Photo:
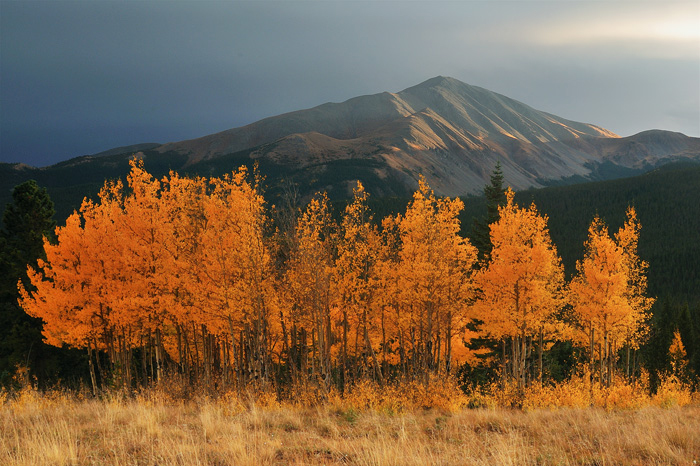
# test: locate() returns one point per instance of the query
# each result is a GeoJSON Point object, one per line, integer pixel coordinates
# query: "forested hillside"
{"type": "Point", "coordinates": [668, 203]}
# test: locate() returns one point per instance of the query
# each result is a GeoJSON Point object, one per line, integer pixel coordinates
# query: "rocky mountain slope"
{"type": "Point", "coordinates": [448, 131]}
{"type": "Point", "coordinates": [443, 129]}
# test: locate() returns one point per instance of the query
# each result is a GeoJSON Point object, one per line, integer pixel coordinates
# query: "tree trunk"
{"type": "Point", "coordinates": [504, 365]}
{"type": "Point", "coordinates": [234, 360]}
{"type": "Point", "coordinates": [93, 378]}
{"type": "Point", "coordinates": [377, 369]}
{"type": "Point", "coordinates": [448, 346]}
{"type": "Point", "coordinates": [611, 361]}
{"type": "Point", "coordinates": [591, 368]}
{"type": "Point", "coordinates": [180, 354]}
{"type": "Point", "coordinates": [523, 357]}
{"type": "Point", "coordinates": [540, 345]}
{"type": "Point", "coordinates": [159, 357]}
{"type": "Point", "coordinates": [345, 350]}
{"type": "Point", "coordinates": [600, 354]}
{"type": "Point", "coordinates": [206, 357]}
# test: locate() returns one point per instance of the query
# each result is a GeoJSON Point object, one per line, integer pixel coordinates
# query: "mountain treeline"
{"type": "Point", "coordinates": [668, 203]}
{"type": "Point", "coordinates": [200, 277]}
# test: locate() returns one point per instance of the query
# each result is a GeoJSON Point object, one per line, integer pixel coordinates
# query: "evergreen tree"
{"type": "Point", "coordinates": [485, 347]}
{"type": "Point", "coordinates": [27, 220]}
{"type": "Point", "coordinates": [495, 198]}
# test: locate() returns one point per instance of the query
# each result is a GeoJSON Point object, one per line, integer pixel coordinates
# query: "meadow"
{"type": "Point", "coordinates": [365, 427]}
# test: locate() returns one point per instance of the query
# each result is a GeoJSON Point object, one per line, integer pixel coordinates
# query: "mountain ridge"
{"type": "Point", "coordinates": [477, 110]}
{"type": "Point", "coordinates": [447, 131]}
{"type": "Point", "coordinates": [450, 132]}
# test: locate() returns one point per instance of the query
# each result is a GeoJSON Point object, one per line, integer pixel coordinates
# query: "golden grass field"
{"type": "Point", "coordinates": [56, 429]}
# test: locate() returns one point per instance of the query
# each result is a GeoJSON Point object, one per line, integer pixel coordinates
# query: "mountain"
{"type": "Point", "coordinates": [443, 129]}
{"type": "Point", "coordinates": [448, 131]}
{"type": "Point", "coordinates": [127, 149]}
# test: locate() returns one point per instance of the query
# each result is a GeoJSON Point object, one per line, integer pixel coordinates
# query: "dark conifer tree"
{"type": "Point", "coordinates": [26, 221]}
{"type": "Point", "coordinates": [495, 197]}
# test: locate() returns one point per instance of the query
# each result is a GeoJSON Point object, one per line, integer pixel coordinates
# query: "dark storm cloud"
{"type": "Point", "coordinates": [81, 77]}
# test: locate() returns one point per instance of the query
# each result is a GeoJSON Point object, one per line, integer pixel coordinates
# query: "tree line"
{"type": "Point", "coordinates": [200, 277]}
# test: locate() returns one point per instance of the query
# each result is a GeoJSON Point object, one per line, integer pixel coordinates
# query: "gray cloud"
{"type": "Point", "coordinates": [81, 77]}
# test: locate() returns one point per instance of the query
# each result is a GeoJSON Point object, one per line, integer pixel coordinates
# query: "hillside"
{"type": "Point", "coordinates": [443, 129]}
{"type": "Point", "coordinates": [448, 131]}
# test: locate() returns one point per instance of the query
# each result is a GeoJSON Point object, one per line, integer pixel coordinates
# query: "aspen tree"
{"type": "Point", "coordinates": [359, 248]}
{"type": "Point", "coordinates": [71, 290]}
{"type": "Point", "coordinates": [308, 278]}
{"type": "Point", "coordinates": [522, 284]}
{"type": "Point", "coordinates": [607, 293]}
{"type": "Point", "coordinates": [433, 279]}
{"type": "Point", "coordinates": [234, 271]}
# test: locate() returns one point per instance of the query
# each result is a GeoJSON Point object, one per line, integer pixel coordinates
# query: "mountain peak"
{"type": "Point", "coordinates": [444, 129]}
{"type": "Point", "coordinates": [439, 81]}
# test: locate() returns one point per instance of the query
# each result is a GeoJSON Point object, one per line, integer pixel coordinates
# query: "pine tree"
{"type": "Point", "coordinates": [495, 198]}
{"type": "Point", "coordinates": [27, 220]}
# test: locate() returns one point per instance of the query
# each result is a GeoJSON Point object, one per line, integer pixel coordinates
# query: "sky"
{"type": "Point", "coordinates": [81, 77]}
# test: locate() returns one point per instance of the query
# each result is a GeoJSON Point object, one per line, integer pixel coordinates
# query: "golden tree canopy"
{"type": "Point", "coordinates": [522, 284]}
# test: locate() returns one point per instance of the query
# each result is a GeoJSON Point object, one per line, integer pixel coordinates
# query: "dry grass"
{"type": "Point", "coordinates": [56, 429]}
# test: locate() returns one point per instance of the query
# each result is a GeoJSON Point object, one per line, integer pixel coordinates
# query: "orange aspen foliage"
{"type": "Point", "coordinates": [76, 290]}
{"type": "Point", "coordinates": [64, 295]}
{"type": "Point", "coordinates": [308, 279]}
{"type": "Point", "coordinates": [627, 237]}
{"type": "Point", "coordinates": [232, 273]}
{"type": "Point", "coordinates": [598, 291]}
{"type": "Point", "coordinates": [185, 198]}
{"type": "Point", "coordinates": [607, 294]}
{"type": "Point", "coordinates": [159, 266]}
{"type": "Point", "coordinates": [359, 247]}
{"type": "Point", "coordinates": [522, 284]}
{"type": "Point", "coordinates": [432, 280]}
{"type": "Point", "coordinates": [386, 302]}
{"type": "Point", "coordinates": [231, 254]}
{"type": "Point", "coordinates": [141, 297]}
{"type": "Point", "coordinates": [677, 353]}
{"type": "Point", "coordinates": [180, 273]}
